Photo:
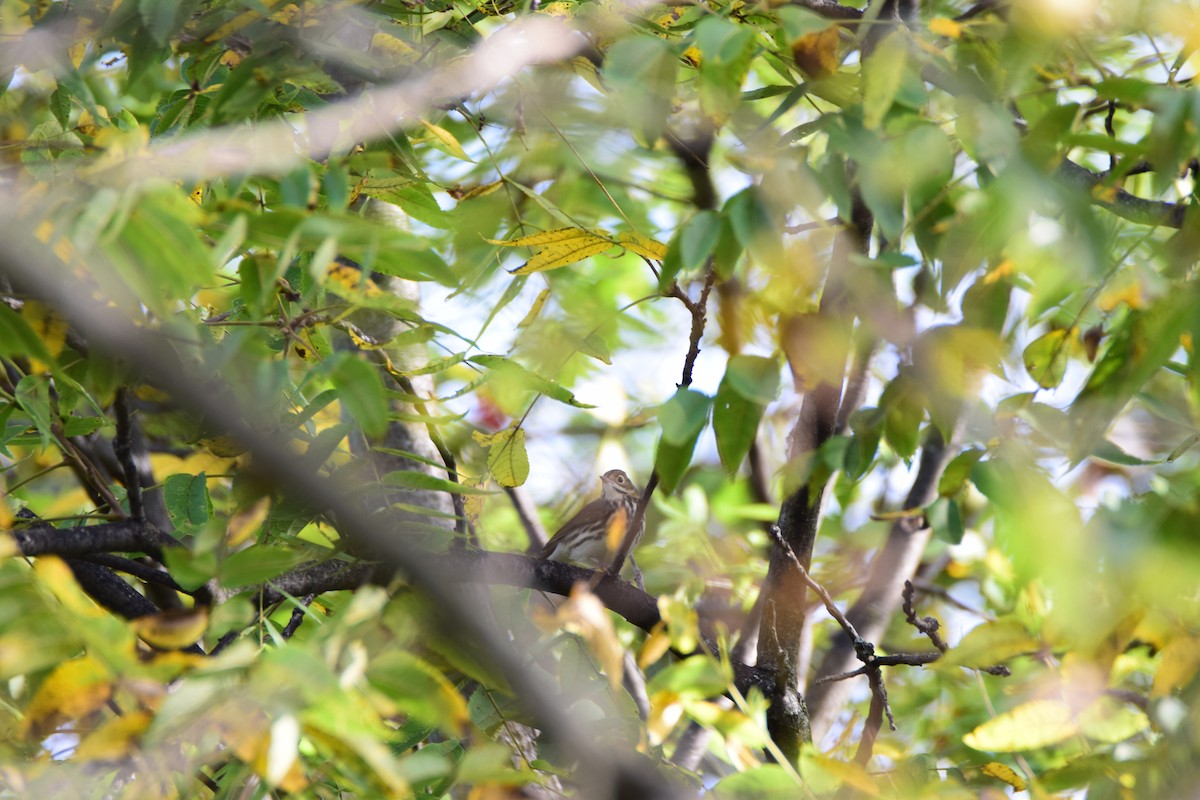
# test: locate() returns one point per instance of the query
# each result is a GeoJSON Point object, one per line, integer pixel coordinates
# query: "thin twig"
{"type": "Point", "coordinates": [926, 625]}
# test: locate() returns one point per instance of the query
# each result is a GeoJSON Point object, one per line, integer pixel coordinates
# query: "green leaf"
{"type": "Point", "coordinates": [882, 74]}
{"type": "Point", "coordinates": [33, 396]}
{"type": "Point", "coordinates": [753, 377]}
{"type": "Point", "coordinates": [410, 479]}
{"type": "Point", "coordinates": [641, 72]}
{"type": "Point", "coordinates": [1137, 350]}
{"type": "Point", "coordinates": [187, 500]}
{"type": "Point", "coordinates": [735, 423]}
{"type": "Point", "coordinates": [191, 570]}
{"type": "Point", "coordinates": [699, 676]}
{"type": "Point", "coordinates": [692, 245]}
{"type": "Point", "coordinates": [257, 564]}
{"type": "Point", "coordinates": [505, 369]}
{"type": "Point", "coordinates": [903, 414]}
{"type": "Point", "coordinates": [958, 471]}
{"type": "Point", "coordinates": [360, 390]}
{"type": "Point", "coordinates": [945, 518]}
{"type": "Point", "coordinates": [754, 225]}
{"type": "Point", "coordinates": [766, 782]}
{"type": "Point", "coordinates": [421, 690]}
{"type": "Point", "coordinates": [683, 416]}
{"type": "Point", "coordinates": [1046, 358]}
{"type": "Point", "coordinates": [726, 50]}
{"type": "Point", "coordinates": [683, 419]}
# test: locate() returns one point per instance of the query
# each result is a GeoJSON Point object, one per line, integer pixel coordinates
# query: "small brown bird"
{"type": "Point", "coordinates": [584, 537]}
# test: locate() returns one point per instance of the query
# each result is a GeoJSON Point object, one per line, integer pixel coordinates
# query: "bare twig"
{"type": "Point", "coordinates": [926, 625]}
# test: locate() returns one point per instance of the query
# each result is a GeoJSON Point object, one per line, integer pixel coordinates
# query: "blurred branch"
{"type": "Point", "coordinates": [126, 536]}
{"type": "Point", "coordinates": [830, 9]}
{"type": "Point", "coordinates": [27, 263]}
{"type": "Point", "coordinates": [528, 517]}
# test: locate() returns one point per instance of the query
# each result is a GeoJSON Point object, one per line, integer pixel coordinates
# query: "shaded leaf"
{"type": "Point", "coordinates": [990, 643]}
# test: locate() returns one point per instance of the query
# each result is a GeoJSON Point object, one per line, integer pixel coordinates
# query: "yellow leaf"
{"type": "Point", "coordinates": [48, 326]}
{"type": "Point", "coordinates": [549, 237]}
{"type": "Point", "coordinates": [994, 769]}
{"type": "Point", "coordinates": [642, 245]}
{"type": "Point", "coordinates": [449, 143]}
{"type": "Point", "coordinates": [114, 739]}
{"type": "Point", "coordinates": [1031, 725]}
{"type": "Point", "coordinates": [74, 689]}
{"type": "Point", "coordinates": [940, 26]}
{"type": "Point", "coordinates": [397, 50]}
{"type": "Point", "coordinates": [1177, 666]}
{"type": "Point", "coordinates": [535, 309]}
{"type": "Point", "coordinates": [174, 629]}
{"type": "Point", "coordinates": [246, 522]}
{"type": "Point", "coordinates": [655, 647]}
{"type": "Point", "coordinates": [847, 773]}
{"type": "Point", "coordinates": [351, 280]}
{"type": "Point", "coordinates": [558, 248]}
{"type": "Point", "coordinates": [483, 190]}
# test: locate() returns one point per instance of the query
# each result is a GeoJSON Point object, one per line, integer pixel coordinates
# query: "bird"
{"type": "Point", "coordinates": [585, 537]}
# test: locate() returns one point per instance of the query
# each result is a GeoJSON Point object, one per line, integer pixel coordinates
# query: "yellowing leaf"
{"type": "Point", "coordinates": [817, 53]}
{"type": "Point", "coordinates": [508, 461]}
{"type": "Point", "coordinates": [940, 26]}
{"type": "Point", "coordinates": [114, 739]}
{"type": "Point", "coordinates": [535, 309]}
{"type": "Point", "coordinates": [1110, 720]}
{"type": "Point", "coordinates": [994, 769]}
{"type": "Point", "coordinates": [1177, 666]}
{"type": "Point", "coordinates": [558, 248]}
{"type": "Point", "coordinates": [246, 522]}
{"type": "Point", "coordinates": [449, 143]}
{"type": "Point", "coordinates": [642, 245]}
{"type": "Point", "coordinates": [1031, 725]}
{"type": "Point", "coordinates": [74, 689]}
{"type": "Point", "coordinates": [172, 630]}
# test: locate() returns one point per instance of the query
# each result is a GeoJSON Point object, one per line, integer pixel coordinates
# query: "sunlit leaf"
{"type": "Point", "coordinates": [1046, 358]}
{"type": "Point", "coordinates": [990, 643]}
{"type": "Point", "coordinates": [1177, 665]}
{"type": "Point", "coordinates": [558, 248]}
{"type": "Point", "coordinates": [1002, 772]}
{"type": "Point", "coordinates": [508, 463]}
{"type": "Point", "coordinates": [1031, 725]}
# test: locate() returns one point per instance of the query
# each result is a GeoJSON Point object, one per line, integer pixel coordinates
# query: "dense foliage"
{"type": "Point", "coordinates": [314, 313]}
